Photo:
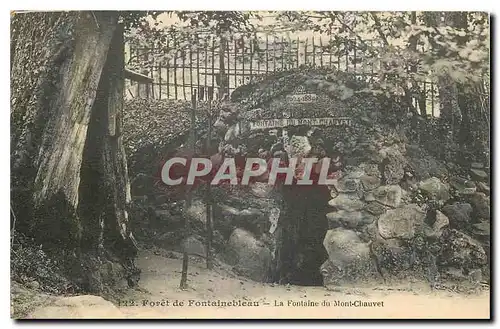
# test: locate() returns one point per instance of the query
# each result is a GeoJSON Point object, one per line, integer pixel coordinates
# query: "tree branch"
{"type": "Point", "coordinates": [334, 16]}
{"type": "Point", "coordinates": [378, 27]}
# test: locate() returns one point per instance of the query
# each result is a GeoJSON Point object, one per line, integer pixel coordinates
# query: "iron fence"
{"type": "Point", "coordinates": [211, 68]}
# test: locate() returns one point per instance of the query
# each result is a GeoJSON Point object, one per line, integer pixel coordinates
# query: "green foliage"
{"type": "Point", "coordinates": [136, 19]}
{"type": "Point", "coordinates": [151, 127]}
{"type": "Point", "coordinates": [30, 262]}
{"type": "Point", "coordinates": [193, 31]}
{"type": "Point", "coordinates": [220, 22]}
{"type": "Point", "coordinates": [407, 48]}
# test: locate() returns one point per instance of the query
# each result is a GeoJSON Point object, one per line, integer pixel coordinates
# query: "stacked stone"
{"type": "Point", "coordinates": [469, 219]}
{"type": "Point", "coordinates": [403, 225]}
{"type": "Point", "coordinates": [392, 210]}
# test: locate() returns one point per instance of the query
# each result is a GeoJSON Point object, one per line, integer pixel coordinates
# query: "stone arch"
{"type": "Point", "coordinates": [303, 221]}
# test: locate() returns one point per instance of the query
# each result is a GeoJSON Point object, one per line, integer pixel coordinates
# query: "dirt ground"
{"type": "Point", "coordinates": [161, 276]}
{"type": "Point", "coordinates": [219, 293]}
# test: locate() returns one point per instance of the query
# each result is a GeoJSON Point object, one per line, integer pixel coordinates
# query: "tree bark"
{"type": "Point", "coordinates": [106, 192]}
{"type": "Point", "coordinates": [69, 175]}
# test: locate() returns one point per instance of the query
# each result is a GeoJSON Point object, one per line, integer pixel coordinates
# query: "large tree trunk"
{"type": "Point", "coordinates": [69, 177]}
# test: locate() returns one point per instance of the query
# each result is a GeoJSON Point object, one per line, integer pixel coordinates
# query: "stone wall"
{"type": "Point", "coordinates": [394, 212]}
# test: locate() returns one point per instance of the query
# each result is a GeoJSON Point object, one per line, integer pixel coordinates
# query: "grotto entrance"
{"type": "Point", "coordinates": [300, 251]}
{"type": "Point", "coordinates": [302, 224]}
{"type": "Point", "coordinates": [279, 117]}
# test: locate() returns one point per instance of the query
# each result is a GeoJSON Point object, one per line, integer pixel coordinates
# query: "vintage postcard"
{"type": "Point", "coordinates": [250, 165]}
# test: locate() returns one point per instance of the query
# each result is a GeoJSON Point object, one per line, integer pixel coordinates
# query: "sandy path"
{"type": "Point", "coordinates": [159, 290]}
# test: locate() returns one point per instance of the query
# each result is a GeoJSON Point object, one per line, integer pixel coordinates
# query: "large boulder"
{"type": "Point", "coordinates": [333, 191]}
{"type": "Point", "coordinates": [348, 202]}
{"type": "Point", "coordinates": [481, 204]}
{"type": "Point", "coordinates": [371, 169]}
{"type": "Point", "coordinates": [261, 190]}
{"type": "Point", "coordinates": [462, 186]}
{"type": "Point", "coordinates": [425, 166]}
{"type": "Point", "coordinates": [163, 215]}
{"type": "Point", "coordinates": [388, 195]}
{"type": "Point", "coordinates": [370, 182]}
{"type": "Point", "coordinates": [299, 146]}
{"type": "Point", "coordinates": [461, 251]}
{"type": "Point", "coordinates": [347, 184]}
{"type": "Point", "coordinates": [197, 211]}
{"type": "Point", "coordinates": [393, 165]}
{"type": "Point", "coordinates": [482, 230]}
{"type": "Point", "coordinates": [251, 219]}
{"type": "Point", "coordinates": [248, 256]}
{"type": "Point", "coordinates": [348, 257]}
{"type": "Point", "coordinates": [440, 223]}
{"type": "Point", "coordinates": [483, 187]}
{"type": "Point", "coordinates": [369, 232]}
{"type": "Point", "coordinates": [376, 208]}
{"type": "Point", "coordinates": [193, 245]}
{"type": "Point", "coordinates": [392, 255]}
{"type": "Point", "coordinates": [232, 133]}
{"type": "Point", "coordinates": [402, 222]}
{"type": "Point", "coordinates": [479, 175]}
{"type": "Point", "coordinates": [459, 214]}
{"type": "Point", "coordinates": [349, 219]}
{"type": "Point", "coordinates": [477, 165]}
{"type": "Point", "coordinates": [435, 189]}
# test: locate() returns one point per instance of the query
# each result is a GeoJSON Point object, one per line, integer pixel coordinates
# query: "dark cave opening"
{"type": "Point", "coordinates": [304, 224]}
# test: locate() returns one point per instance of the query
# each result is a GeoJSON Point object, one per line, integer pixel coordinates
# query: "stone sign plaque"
{"type": "Point", "coordinates": [281, 123]}
{"type": "Point", "coordinates": [301, 98]}
{"type": "Point", "coordinates": [302, 106]}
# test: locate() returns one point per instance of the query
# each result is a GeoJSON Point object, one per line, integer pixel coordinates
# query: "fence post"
{"type": "Point", "coordinates": [267, 53]}
{"type": "Point", "coordinates": [338, 57]}
{"type": "Point", "coordinates": [298, 52]}
{"type": "Point", "coordinates": [175, 68]}
{"type": "Point", "coordinates": [152, 74]}
{"type": "Point", "coordinates": [159, 80]}
{"type": "Point", "coordinates": [432, 100]}
{"type": "Point", "coordinates": [282, 53]}
{"type": "Point", "coordinates": [305, 51]}
{"type": "Point", "coordinates": [206, 71]}
{"type": "Point", "coordinates": [168, 69]}
{"type": "Point", "coordinates": [200, 94]}
{"type": "Point", "coordinates": [192, 142]}
{"type": "Point", "coordinates": [213, 67]}
{"type": "Point", "coordinates": [274, 54]}
{"type": "Point", "coordinates": [235, 63]}
{"type": "Point", "coordinates": [289, 62]}
{"type": "Point", "coordinates": [183, 52]}
{"type": "Point", "coordinates": [228, 74]}
{"type": "Point", "coordinates": [209, 191]}
{"type": "Point", "coordinates": [355, 46]}
{"type": "Point", "coordinates": [222, 67]}
{"type": "Point", "coordinates": [330, 47]}
{"type": "Point", "coordinates": [346, 47]}
{"type": "Point", "coordinates": [191, 70]}
{"type": "Point", "coordinates": [258, 61]}
{"type": "Point", "coordinates": [314, 51]}
{"type": "Point", "coordinates": [243, 52]}
{"type": "Point", "coordinates": [322, 51]}
{"type": "Point", "coordinates": [145, 86]}
{"type": "Point", "coordinates": [251, 60]}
